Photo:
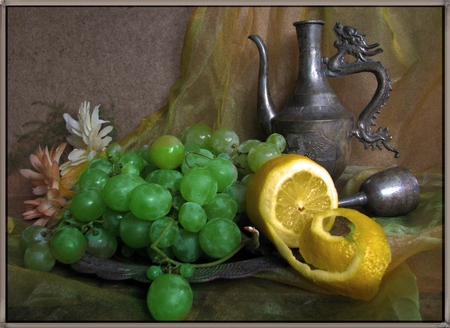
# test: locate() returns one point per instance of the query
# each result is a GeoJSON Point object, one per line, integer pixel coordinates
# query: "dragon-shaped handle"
{"type": "Point", "coordinates": [351, 42]}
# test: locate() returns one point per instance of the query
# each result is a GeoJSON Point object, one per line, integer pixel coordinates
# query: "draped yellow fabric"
{"type": "Point", "coordinates": [220, 64]}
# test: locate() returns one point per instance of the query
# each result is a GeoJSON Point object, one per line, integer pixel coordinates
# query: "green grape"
{"type": "Point", "coordinates": [224, 140]}
{"type": "Point", "coordinates": [134, 232]}
{"type": "Point", "coordinates": [148, 168]}
{"type": "Point", "coordinates": [68, 245]}
{"type": "Point", "coordinates": [39, 257]}
{"type": "Point", "coordinates": [150, 201]}
{"type": "Point", "coordinates": [197, 158]}
{"type": "Point", "coordinates": [93, 178]}
{"type": "Point", "coordinates": [88, 205]}
{"type": "Point", "coordinates": [100, 242]}
{"type": "Point", "coordinates": [241, 163]}
{"type": "Point", "coordinates": [187, 270]}
{"type": "Point", "coordinates": [278, 140]}
{"type": "Point", "coordinates": [144, 152]}
{"type": "Point", "coordinates": [101, 163]}
{"type": "Point", "coordinates": [111, 220]}
{"type": "Point", "coordinates": [114, 151]}
{"type": "Point", "coordinates": [33, 234]}
{"type": "Point", "coordinates": [238, 191]}
{"type": "Point", "coordinates": [245, 180]}
{"type": "Point", "coordinates": [157, 229]}
{"type": "Point", "coordinates": [196, 134]}
{"type": "Point", "coordinates": [245, 147]}
{"type": "Point", "coordinates": [153, 272]}
{"type": "Point", "coordinates": [155, 257]}
{"type": "Point", "coordinates": [132, 157]}
{"type": "Point", "coordinates": [177, 202]}
{"type": "Point", "coordinates": [261, 153]}
{"type": "Point", "coordinates": [223, 171]}
{"type": "Point", "coordinates": [170, 298]}
{"type": "Point", "coordinates": [169, 179]}
{"type": "Point", "coordinates": [224, 155]}
{"type": "Point", "coordinates": [192, 216]}
{"type": "Point", "coordinates": [221, 206]}
{"type": "Point", "coordinates": [187, 246]}
{"type": "Point", "coordinates": [167, 152]}
{"type": "Point", "coordinates": [219, 237]}
{"type": "Point", "coordinates": [130, 168]}
{"type": "Point", "coordinates": [117, 191]}
{"type": "Point", "coordinates": [198, 186]}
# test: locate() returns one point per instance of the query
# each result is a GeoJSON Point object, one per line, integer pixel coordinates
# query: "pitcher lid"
{"type": "Point", "coordinates": [312, 21]}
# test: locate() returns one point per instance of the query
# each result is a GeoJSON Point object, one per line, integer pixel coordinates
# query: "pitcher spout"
{"type": "Point", "coordinates": [265, 108]}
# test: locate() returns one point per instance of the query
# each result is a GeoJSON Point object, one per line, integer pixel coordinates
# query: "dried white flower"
{"type": "Point", "coordinates": [85, 136]}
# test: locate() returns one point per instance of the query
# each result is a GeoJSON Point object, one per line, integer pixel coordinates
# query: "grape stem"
{"type": "Point", "coordinates": [253, 241]}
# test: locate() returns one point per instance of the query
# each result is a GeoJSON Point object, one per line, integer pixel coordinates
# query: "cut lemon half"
{"type": "Point", "coordinates": [285, 194]}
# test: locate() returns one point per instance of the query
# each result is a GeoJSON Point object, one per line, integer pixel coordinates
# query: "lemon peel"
{"type": "Point", "coordinates": [351, 265]}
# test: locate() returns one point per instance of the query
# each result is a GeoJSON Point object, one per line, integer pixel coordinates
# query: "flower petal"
{"type": "Point", "coordinates": [27, 173]}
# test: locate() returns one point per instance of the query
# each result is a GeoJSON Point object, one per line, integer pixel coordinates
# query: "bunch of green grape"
{"type": "Point", "coordinates": [177, 201]}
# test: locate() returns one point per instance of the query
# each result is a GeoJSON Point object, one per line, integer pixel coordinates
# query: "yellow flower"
{"type": "Point", "coordinates": [47, 182]}
{"type": "Point", "coordinates": [85, 136]}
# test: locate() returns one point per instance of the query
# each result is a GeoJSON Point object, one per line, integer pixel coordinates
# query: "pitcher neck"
{"type": "Point", "coordinates": [309, 35]}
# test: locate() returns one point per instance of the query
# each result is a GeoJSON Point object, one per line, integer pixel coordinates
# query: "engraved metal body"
{"type": "Point", "coordinates": [314, 122]}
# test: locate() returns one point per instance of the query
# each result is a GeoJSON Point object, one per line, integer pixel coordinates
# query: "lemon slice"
{"type": "Point", "coordinates": [286, 192]}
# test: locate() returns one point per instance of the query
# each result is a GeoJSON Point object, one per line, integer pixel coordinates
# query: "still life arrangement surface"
{"type": "Point", "coordinates": [207, 212]}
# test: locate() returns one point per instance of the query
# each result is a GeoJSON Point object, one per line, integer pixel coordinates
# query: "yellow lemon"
{"type": "Point", "coordinates": [293, 202]}
{"type": "Point", "coordinates": [285, 194]}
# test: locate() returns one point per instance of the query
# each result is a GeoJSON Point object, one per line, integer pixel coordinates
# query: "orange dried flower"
{"type": "Point", "coordinates": [46, 180]}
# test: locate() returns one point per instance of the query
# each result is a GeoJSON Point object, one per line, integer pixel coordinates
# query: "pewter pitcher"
{"type": "Point", "coordinates": [314, 122]}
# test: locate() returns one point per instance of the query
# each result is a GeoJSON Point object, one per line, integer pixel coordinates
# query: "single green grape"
{"type": "Point", "coordinates": [196, 134]}
{"type": "Point", "coordinates": [170, 298]}
{"type": "Point", "coordinates": [238, 192]}
{"type": "Point", "coordinates": [245, 180]}
{"type": "Point", "coordinates": [278, 140]}
{"type": "Point", "coordinates": [101, 163]}
{"type": "Point", "coordinates": [130, 168]}
{"type": "Point", "coordinates": [33, 234]}
{"type": "Point", "coordinates": [198, 186]}
{"type": "Point", "coordinates": [187, 246]}
{"type": "Point", "coordinates": [169, 179]}
{"type": "Point", "coordinates": [192, 216]}
{"type": "Point", "coordinates": [223, 171]}
{"type": "Point", "coordinates": [148, 168]}
{"type": "Point", "coordinates": [68, 245]}
{"type": "Point", "coordinates": [177, 202]}
{"type": "Point", "coordinates": [241, 163]}
{"type": "Point", "coordinates": [167, 152]}
{"type": "Point", "coordinates": [150, 201]}
{"type": "Point", "coordinates": [100, 242]}
{"type": "Point", "coordinates": [134, 232]}
{"type": "Point", "coordinates": [132, 157]}
{"type": "Point", "coordinates": [224, 140]}
{"type": "Point", "coordinates": [261, 153]}
{"type": "Point", "coordinates": [245, 147]}
{"type": "Point", "coordinates": [219, 237]}
{"type": "Point", "coordinates": [157, 229]}
{"type": "Point", "coordinates": [117, 191]}
{"type": "Point", "coordinates": [114, 151]}
{"type": "Point", "coordinates": [39, 257]}
{"type": "Point", "coordinates": [222, 205]}
{"type": "Point", "coordinates": [111, 220]}
{"type": "Point", "coordinates": [187, 270]}
{"type": "Point", "coordinates": [153, 272]}
{"type": "Point", "coordinates": [93, 178]}
{"type": "Point", "coordinates": [88, 205]}
{"type": "Point", "coordinates": [197, 158]}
